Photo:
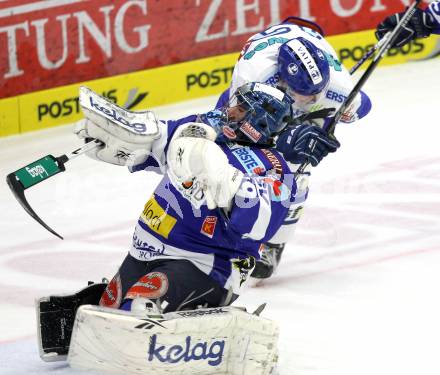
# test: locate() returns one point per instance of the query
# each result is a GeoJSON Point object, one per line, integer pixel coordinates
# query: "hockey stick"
{"type": "Point", "coordinates": [41, 170]}
{"type": "Point", "coordinates": [379, 56]}
{"type": "Point", "coordinates": [383, 49]}
{"type": "Point", "coordinates": [370, 52]}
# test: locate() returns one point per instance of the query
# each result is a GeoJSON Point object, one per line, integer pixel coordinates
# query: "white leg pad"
{"type": "Point", "coordinates": [223, 340]}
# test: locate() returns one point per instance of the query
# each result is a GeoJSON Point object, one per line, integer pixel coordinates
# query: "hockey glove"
{"type": "Point", "coordinates": [306, 143]}
{"type": "Point", "coordinates": [127, 136]}
{"type": "Point", "coordinates": [420, 25]}
{"type": "Point", "coordinates": [198, 160]}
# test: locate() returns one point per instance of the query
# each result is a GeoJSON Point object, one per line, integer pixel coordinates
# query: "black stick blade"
{"type": "Point", "coordinates": [18, 190]}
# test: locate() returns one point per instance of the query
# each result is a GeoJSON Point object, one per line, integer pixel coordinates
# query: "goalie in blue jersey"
{"type": "Point", "coordinates": [225, 191]}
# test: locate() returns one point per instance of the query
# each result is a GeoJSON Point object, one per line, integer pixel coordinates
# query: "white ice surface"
{"type": "Point", "coordinates": [358, 289]}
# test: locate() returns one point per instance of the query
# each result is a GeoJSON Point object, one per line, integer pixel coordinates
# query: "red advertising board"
{"type": "Point", "coordinates": [50, 43]}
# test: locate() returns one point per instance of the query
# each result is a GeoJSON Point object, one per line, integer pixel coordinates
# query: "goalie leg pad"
{"type": "Point", "coordinates": [223, 340]}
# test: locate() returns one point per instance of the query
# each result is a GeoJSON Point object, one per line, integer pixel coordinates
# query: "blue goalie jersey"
{"type": "Point", "coordinates": [177, 224]}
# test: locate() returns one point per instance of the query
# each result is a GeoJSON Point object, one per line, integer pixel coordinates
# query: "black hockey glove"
{"type": "Point", "coordinates": [420, 25]}
{"type": "Point", "coordinates": [298, 147]}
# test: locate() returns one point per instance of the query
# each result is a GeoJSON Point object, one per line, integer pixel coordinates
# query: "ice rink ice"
{"type": "Point", "coordinates": [358, 288]}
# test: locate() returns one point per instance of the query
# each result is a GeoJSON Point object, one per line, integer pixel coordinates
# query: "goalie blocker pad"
{"type": "Point", "coordinates": [97, 108]}
{"type": "Point", "coordinates": [223, 340]}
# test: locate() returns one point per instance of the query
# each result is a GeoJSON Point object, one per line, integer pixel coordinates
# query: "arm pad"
{"type": "Point", "coordinates": [199, 158]}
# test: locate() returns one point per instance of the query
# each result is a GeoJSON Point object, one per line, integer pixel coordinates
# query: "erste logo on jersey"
{"type": "Point", "coordinates": [247, 158]}
{"type": "Point", "coordinates": [335, 96]}
{"type": "Point", "coordinates": [273, 80]}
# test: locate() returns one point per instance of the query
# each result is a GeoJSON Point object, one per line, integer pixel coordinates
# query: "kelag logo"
{"type": "Point", "coordinates": [357, 52]}
{"type": "Point", "coordinates": [68, 106]}
{"type": "Point", "coordinates": [177, 353]}
{"type": "Point", "coordinates": [113, 115]}
{"type": "Point", "coordinates": [212, 78]}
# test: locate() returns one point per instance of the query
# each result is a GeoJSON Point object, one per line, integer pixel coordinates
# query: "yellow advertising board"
{"type": "Point", "coordinates": [351, 47]}
{"type": "Point", "coordinates": [9, 116]}
{"type": "Point", "coordinates": [138, 90]}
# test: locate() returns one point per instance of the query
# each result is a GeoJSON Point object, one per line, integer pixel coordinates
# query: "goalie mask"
{"type": "Point", "coordinates": [303, 69]}
{"type": "Point", "coordinates": [255, 115]}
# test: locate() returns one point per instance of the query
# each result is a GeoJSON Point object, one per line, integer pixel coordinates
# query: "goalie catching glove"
{"type": "Point", "coordinates": [193, 156]}
{"type": "Point", "coordinates": [126, 136]}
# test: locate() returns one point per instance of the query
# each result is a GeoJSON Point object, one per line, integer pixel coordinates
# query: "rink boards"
{"type": "Point", "coordinates": [171, 83]}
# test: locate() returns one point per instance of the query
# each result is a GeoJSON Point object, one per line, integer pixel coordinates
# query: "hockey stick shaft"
{"type": "Point", "coordinates": [48, 166]}
{"type": "Point", "coordinates": [383, 49]}
{"type": "Point", "coordinates": [369, 53]}
{"type": "Point", "coordinates": [83, 149]}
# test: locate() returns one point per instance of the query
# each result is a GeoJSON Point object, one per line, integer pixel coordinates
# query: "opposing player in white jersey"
{"type": "Point", "coordinates": [295, 57]}
{"type": "Point", "coordinates": [300, 60]}
{"type": "Point", "coordinates": [422, 24]}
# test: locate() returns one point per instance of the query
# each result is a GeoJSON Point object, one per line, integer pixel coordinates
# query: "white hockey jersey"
{"type": "Point", "coordinates": [258, 63]}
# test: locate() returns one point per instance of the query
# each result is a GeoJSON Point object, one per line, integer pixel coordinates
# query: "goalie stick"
{"type": "Point", "coordinates": [383, 49]}
{"type": "Point", "coordinates": [41, 170]}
